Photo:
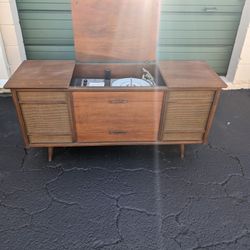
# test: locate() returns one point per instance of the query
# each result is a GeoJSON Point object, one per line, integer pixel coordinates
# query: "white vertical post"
{"type": "Point", "coordinates": [239, 43]}
{"type": "Point", "coordinates": [4, 67]}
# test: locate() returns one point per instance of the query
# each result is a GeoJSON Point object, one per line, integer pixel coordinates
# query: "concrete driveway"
{"type": "Point", "coordinates": [138, 197]}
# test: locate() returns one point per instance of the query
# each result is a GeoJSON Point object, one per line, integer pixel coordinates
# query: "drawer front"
{"type": "Point", "coordinates": [191, 96]}
{"type": "Point", "coordinates": [50, 138]}
{"type": "Point", "coordinates": [183, 136]}
{"type": "Point", "coordinates": [117, 136]}
{"type": "Point", "coordinates": [46, 118]}
{"type": "Point", "coordinates": [117, 97]}
{"type": "Point", "coordinates": [117, 116]}
{"type": "Point", "coordinates": [44, 97]}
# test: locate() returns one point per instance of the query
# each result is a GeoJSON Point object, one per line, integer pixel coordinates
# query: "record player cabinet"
{"type": "Point", "coordinates": [178, 110]}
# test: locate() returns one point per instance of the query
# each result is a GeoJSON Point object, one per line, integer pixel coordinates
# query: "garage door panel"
{"type": "Point", "coordinates": [199, 30]}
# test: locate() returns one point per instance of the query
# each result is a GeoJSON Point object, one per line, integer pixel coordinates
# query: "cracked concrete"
{"type": "Point", "coordinates": [141, 197]}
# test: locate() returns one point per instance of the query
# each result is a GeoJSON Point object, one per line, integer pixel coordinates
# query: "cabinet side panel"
{"type": "Point", "coordinates": [20, 117]}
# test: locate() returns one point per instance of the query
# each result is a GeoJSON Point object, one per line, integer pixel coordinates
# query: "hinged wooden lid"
{"type": "Point", "coordinates": [115, 30]}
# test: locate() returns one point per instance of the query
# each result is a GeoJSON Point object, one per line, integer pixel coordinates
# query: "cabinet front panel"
{"type": "Point", "coordinates": [183, 136]}
{"type": "Point", "coordinates": [46, 118]}
{"type": "Point", "coordinates": [191, 96]}
{"type": "Point", "coordinates": [36, 96]}
{"type": "Point", "coordinates": [187, 114]}
{"type": "Point", "coordinates": [117, 116]}
{"type": "Point", "coordinates": [187, 117]}
{"type": "Point", "coordinates": [50, 138]}
{"type": "Point", "coordinates": [117, 97]}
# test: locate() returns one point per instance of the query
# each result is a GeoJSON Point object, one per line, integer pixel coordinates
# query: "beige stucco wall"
{"type": "Point", "coordinates": [4, 71]}
{"type": "Point", "coordinates": [11, 35]}
{"type": "Point", "coordinates": [242, 75]}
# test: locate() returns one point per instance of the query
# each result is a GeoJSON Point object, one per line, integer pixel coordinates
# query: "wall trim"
{"type": "Point", "coordinates": [19, 34]}
{"type": "Point", "coordinates": [239, 42]}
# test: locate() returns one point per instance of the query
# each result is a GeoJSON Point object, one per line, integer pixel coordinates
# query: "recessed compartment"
{"type": "Point", "coordinates": [117, 75]}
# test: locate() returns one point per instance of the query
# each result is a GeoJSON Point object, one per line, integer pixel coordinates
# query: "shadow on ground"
{"type": "Point", "coordinates": [138, 197]}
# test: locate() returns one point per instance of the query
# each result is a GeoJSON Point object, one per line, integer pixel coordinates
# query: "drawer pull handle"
{"type": "Point", "coordinates": [118, 101]}
{"type": "Point", "coordinates": [210, 9]}
{"type": "Point", "coordinates": [118, 132]}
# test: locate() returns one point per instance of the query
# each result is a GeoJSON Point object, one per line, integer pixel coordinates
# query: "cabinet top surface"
{"type": "Point", "coordinates": [42, 74]}
{"type": "Point", "coordinates": [189, 74]}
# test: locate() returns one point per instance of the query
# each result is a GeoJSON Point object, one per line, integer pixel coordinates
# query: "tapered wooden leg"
{"type": "Point", "coordinates": [182, 151]}
{"type": "Point", "coordinates": [50, 153]}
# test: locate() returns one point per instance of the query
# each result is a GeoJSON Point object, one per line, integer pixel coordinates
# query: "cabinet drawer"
{"type": "Point", "coordinates": [45, 97]}
{"type": "Point", "coordinates": [118, 136]}
{"type": "Point", "coordinates": [189, 96]}
{"type": "Point", "coordinates": [139, 120]}
{"type": "Point", "coordinates": [46, 118]}
{"type": "Point", "coordinates": [50, 138]}
{"type": "Point", "coordinates": [99, 117]}
{"type": "Point", "coordinates": [183, 136]}
{"type": "Point", "coordinates": [81, 98]}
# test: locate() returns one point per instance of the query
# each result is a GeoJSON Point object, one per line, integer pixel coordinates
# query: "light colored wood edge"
{"type": "Point", "coordinates": [81, 144]}
{"type": "Point", "coordinates": [50, 153]}
{"type": "Point", "coordinates": [211, 115]}
{"type": "Point", "coordinates": [20, 118]}
{"type": "Point", "coordinates": [71, 116]}
{"type": "Point", "coordinates": [182, 151]}
{"type": "Point", "coordinates": [43, 102]}
{"type": "Point", "coordinates": [184, 131]}
{"type": "Point", "coordinates": [49, 134]}
{"type": "Point", "coordinates": [163, 114]}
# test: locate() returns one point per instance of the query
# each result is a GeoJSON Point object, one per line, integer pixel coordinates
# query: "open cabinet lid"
{"type": "Point", "coordinates": [115, 30]}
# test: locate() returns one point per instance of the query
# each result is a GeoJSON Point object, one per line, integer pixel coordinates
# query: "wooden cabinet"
{"type": "Point", "coordinates": [117, 116]}
{"type": "Point", "coordinates": [46, 116]}
{"type": "Point", "coordinates": [187, 114]}
{"type": "Point", "coordinates": [54, 114]}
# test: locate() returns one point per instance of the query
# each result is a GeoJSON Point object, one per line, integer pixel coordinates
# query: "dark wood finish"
{"type": "Point", "coordinates": [38, 74]}
{"type": "Point", "coordinates": [117, 116]}
{"type": "Point", "coordinates": [50, 153]}
{"type": "Point", "coordinates": [113, 31]}
{"type": "Point", "coordinates": [189, 74]}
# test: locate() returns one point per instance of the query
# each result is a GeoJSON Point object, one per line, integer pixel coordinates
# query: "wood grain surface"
{"type": "Point", "coordinates": [42, 74]}
{"type": "Point", "coordinates": [113, 31]}
{"type": "Point", "coordinates": [117, 116]}
{"type": "Point", "coordinates": [189, 74]}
